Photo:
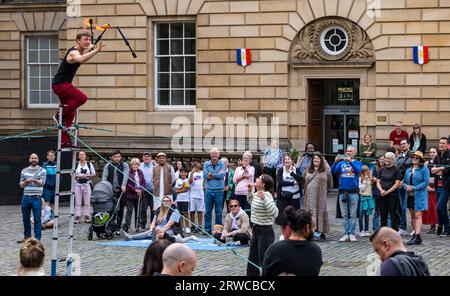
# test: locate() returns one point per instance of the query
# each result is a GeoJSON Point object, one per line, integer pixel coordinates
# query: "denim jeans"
{"type": "Point", "coordinates": [442, 199]}
{"type": "Point", "coordinates": [403, 202]}
{"type": "Point", "coordinates": [31, 203]}
{"type": "Point", "coordinates": [263, 236]}
{"type": "Point", "coordinates": [213, 198]}
{"type": "Point", "coordinates": [349, 205]}
{"type": "Point", "coordinates": [363, 217]}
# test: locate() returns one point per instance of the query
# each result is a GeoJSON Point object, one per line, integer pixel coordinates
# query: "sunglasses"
{"type": "Point", "coordinates": [234, 206]}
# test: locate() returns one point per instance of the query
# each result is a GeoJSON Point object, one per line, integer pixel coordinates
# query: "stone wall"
{"type": "Point", "coordinates": [120, 88]}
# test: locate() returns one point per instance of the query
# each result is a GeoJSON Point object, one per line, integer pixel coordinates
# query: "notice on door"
{"type": "Point", "coordinates": [337, 146]}
{"type": "Point", "coordinates": [353, 134]}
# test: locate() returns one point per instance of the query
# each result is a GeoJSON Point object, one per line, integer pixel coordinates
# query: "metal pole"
{"type": "Point", "coordinates": [57, 191]}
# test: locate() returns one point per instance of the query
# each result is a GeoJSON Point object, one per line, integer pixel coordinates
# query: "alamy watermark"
{"type": "Point", "coordinates": [373, 8]}
{"type": "Point", "coordinates": [73, 8]}
{"type": "Point", "coordinates": [235, 134]}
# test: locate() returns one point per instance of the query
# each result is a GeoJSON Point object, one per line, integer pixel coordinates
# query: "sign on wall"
{"type": "Point", "coordinates": [420, 54]}
{"type": "Point", "coordinates": [345, 93]}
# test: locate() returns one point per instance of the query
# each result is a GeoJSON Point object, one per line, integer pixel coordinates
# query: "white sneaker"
{"type": "Point", "coordinates": [402, 232]}
{"type": "Point", "coordinates": [367, 233]}
{"type": "Point", "coordinates": [362, 234]}
{"type": "Point", "coordinates": [344, 238]}
{"type": "Point", "coordinates": [353, 238]}
{"type": "Point", "coordinates": [187, 230]}
{"type": "Point", "coordinates": [281, 237]}
{"type": "Point", "coordinates": [194, 238]}
{"type": "Point", "coordinates": [412, 233]}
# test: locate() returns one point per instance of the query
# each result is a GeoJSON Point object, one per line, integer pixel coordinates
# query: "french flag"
{"type": "Point", "coordinates": [420, 54]}
{"type": "Point", "coordinates": [243, 56]}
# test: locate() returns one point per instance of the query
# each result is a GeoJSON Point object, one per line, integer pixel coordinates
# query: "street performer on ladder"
{"type": "Point", "coordinates": [69, 96]}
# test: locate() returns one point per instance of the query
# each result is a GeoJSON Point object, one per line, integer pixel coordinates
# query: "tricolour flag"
{"type": "Point", "coordinates": [243, 56]}
{"type": "Point", "coordinates": [420, 54]}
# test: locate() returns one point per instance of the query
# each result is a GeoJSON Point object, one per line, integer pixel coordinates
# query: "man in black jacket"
{"type": "Point", "coordinates": [397, 261]}
{"type": "Point", "coordinates": [442, 185]}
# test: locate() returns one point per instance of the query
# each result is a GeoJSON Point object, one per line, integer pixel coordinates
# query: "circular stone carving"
{"type": "Point", "coordinates": [334, 40]}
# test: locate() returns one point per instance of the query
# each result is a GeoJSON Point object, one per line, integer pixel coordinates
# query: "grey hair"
{"type": "Point", "coordinates": [390, 155]}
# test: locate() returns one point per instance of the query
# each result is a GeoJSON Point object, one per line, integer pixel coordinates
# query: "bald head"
{"type": "Point", "coordinates": [386, 241]}
{"type": "Point", "coordinates": [178, 259]}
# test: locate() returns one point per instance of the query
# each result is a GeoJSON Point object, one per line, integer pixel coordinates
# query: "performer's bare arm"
{"type": "Point", "coordinates": [75, 56]}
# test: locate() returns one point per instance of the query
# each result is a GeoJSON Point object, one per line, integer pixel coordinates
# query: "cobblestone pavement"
{"type": "Point", "coordinates": [339, 258]}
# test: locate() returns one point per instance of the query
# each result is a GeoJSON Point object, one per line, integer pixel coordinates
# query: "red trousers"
{"type": "Point", "coordinates": [71, 98]}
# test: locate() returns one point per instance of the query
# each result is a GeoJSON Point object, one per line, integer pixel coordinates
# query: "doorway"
{"type": "Point", "coordinates": [333, 117]}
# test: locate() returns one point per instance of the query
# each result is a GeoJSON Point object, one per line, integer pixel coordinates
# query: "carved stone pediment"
{"type": "Point", "coordinates": [332, 41]}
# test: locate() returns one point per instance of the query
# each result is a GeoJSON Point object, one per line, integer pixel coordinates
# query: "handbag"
{"type": "Point", "coordinates": [287, 195]}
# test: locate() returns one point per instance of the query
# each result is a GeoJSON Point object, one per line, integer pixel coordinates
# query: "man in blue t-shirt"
{"type": "Point", "coordinates": [348, 169]}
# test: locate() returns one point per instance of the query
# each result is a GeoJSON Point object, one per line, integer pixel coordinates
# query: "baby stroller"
{"type": "Point", "coordinates": [104, 211]}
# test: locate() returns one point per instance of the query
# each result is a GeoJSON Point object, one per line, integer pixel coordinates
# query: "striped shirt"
{"type": "Point", "coordinates": [36, 173]}
{"type": "Point", "coordinates": [264, 211]}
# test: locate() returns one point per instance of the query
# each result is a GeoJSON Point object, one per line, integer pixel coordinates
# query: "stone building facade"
{"type": "Point", "coordinates": [330, 71]}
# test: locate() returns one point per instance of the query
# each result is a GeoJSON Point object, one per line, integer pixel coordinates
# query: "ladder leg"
{"type": "Point", "coordinates": [56, 205]}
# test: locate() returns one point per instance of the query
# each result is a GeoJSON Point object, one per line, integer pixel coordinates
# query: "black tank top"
{"type": "Point", "coordinates": [66, 71]}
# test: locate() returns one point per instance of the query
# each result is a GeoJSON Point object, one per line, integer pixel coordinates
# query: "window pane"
{"type": "Point", "coordinates": [163, 80]}
{"type": "Point", "coordinates": [177, 80]}
{"type": "Point", "coordinates": [34, 97]}
{"type": "Point", "coordinates": [34, 84]}
{"type": "Point", "coordinates": [46, 97]}
{"type": "Point", "coordinates": [190, 64]}
{"type": "Point", "coordinates": [33, 43]}
{"type": "Point", "coordinates": [45, 70]}
{"type": "Point", "coordinates": [54, 56]}
{"type": "Point", "coordinates": [45, 84]}
{"type": "Point", "coordinates": [54, 98]}
{"type": "Point", "coordinates": [177, 97]}
{"type": "Point", "coordinates": [190, 97]}
{"type": "Point", "coordinates": [162, 47]}
{"type": "Point", "coordinates": [44, 43]}
{"type": "Point", "coordinates": [189, 46]}
{"type": "Point", "coordinates": [162, 30]}
{"type": "Point", "coordinates": [176, 46]}
{"type": "Point", "coordinates": [34, 71]}
{"type": "Point", "coordinates": [177, 64]}
{"type": "Point", "coordinates": [176, 30]}
{"type": "Point", "coordinates": [43, 57]}
{"type": "Point", "coordinates": [190, 80]}
{"type": "Point", "coordinates": [163, 97]}
{"type": "Point", "coordinates": [54, 70]}
{"type": "Point", "coordinates": [54, 43]}
{"type": "Point", "coordinates": [33, 56]}
{"type": "Point", "coordinates": [189, 30]}
{"type": "Point", "coordinates": [163, 64]}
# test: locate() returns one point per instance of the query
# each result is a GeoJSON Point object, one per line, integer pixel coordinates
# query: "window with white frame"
{"type": "Point", "coordinates": [42, 65]}
{"type": "Point", "coordinates": [175, 64]}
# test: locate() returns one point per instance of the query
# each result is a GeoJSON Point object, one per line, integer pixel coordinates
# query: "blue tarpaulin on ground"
{"type": "Point", "coordinates": [204, 244]}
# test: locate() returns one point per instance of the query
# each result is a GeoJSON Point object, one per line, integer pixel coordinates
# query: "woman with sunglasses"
{"type": "Point", "coordinates": [165, 224]}
{"type": "Point", "coordinates": [415, 183]}
{"type": "Point", "coordinates": [237, 224]}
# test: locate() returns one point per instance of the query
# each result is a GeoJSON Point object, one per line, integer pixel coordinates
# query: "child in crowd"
{"type": "Point", "coordinates": [196, 195]}
{"type": "Point", "coordinates": [31, 258]}
{"type": "Point", "coordinates": [366, 200]}
{"type": "Point", "coordinates": [217, 233]}
{"type": "Point", "coordinates": [174, 238]}
{"type": "Point", "coordinates": [46, 216]}
{"type": "Point", "coordinates": [182, 189]}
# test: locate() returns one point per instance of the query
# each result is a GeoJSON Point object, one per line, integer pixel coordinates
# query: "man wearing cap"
{"type": "Point", "coordinates": [163, 178]}
{"type": "Point", "coordinates": [146, 167]}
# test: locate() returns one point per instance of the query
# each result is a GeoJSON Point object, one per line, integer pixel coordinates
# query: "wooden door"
{"type": "Point", "coordinates": [315, 112]}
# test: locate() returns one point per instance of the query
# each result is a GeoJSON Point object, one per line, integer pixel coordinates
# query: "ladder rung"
{"type": "Point", "coordinates": [63, 215]}
{"type": "Point", "coordinates": [63, 193]}
{"type": "Point", "coordinates": [66, 171]}
{"type": "Point", "coordinates": [66, 236]}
